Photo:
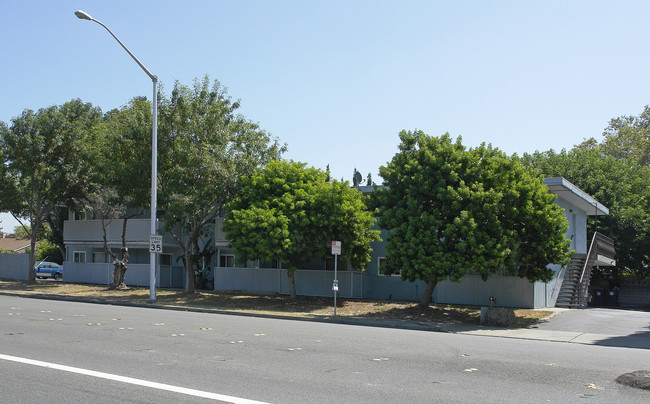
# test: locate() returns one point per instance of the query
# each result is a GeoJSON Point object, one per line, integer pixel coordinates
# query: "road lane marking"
{"type": "Point", "coordinates": [130, 380]}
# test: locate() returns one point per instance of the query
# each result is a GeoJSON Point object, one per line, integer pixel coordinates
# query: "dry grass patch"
{"type": "Point", "coordinates": [273, 304]}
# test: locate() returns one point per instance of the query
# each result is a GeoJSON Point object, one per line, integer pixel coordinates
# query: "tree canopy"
{"type": "Point", "coordinates": [43, 159]}
{"type": "Point", "coordinates": [625, 137]}
{"type": "Point", "coordinates": [291, 213]}
{"type": "Point", "coordinates": [205, 149]}
{"type": "Point", "coordinates": [120, 149]}
{"type": "Point", "coordinates": [451, 211]}
{"type": "Point", "coordinates": [621, 184]}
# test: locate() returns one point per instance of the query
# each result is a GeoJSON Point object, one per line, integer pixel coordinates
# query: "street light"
{"type": "Point", "coordinates": [154, 151]}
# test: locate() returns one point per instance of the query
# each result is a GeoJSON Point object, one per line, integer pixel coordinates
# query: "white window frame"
{"type": "Point", "coordinates": [79, 254]}
{"type": "Point", "coordinates": [226, 256]}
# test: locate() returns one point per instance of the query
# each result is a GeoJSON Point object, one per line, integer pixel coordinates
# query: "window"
{"type": "Point", "coordinates": [79, 216]}
{"type": "Point", "coordinates": [99, 257]}
{"type": "Point", "coordinates": [227, 261]}
{"type": "Point", "coordinates": [166, 259]}
{"type": "Point", "coordinates": [79, 256]}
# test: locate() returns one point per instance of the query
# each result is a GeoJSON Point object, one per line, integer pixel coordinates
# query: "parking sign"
{"type": "Point", "coordinates": [336, 248]}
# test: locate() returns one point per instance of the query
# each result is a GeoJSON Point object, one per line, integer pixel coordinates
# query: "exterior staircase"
{"type": "Point", "coordinates": [569, 296]}
{"type": "Point", "coordinates": [574, 292]}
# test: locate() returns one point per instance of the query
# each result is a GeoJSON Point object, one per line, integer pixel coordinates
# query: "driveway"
{"type": "Point", "coordinates": [608, 327]}
{"type": "Point", "coordinates": [600, 321]}
{"type": "Point", "coordinates": [594, 326]}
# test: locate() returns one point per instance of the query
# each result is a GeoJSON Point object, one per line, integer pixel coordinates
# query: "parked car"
{"type": "Point", "coordinates": [46, 269]}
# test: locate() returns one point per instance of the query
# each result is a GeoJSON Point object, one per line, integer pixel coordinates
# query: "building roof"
{"type": "Point", "coordinates": [556, 185]}
{"type": "Point", "coordinates": [574, 195]}
{"type": "Point", "coordinates": [14, 244]}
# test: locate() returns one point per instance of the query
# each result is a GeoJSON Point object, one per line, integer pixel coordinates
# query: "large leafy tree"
{"type": "Point", "coordinates": [291, 213]}
{"type": "Point", "coordinates": [121, 153]}
{"type": "Point", "coordinates": [625, 137]}
{"type": "Point", "coordinates": [451, 211]}
{"type": "Point", "coordinates": [43, 153]}
{"type": "Point", "coordinates": [622, 185]}
{"type": "Point", "coordinates": [5, 192]}
{"type": "Point", "coordinates": [205, 149]}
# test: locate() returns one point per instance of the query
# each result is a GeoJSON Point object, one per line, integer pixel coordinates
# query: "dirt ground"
{"type": "Point", "coordinates": [273, 304]}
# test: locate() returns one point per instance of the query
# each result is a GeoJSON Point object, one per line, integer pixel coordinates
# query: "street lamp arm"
{"type": "Point", "coordinates": [85, 16]}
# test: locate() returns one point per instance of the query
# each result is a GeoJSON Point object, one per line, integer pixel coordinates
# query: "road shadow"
{"type": "Point", "coordinates": [640, 340]}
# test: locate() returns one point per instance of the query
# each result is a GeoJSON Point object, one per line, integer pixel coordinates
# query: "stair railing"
{"type": "Point", "coordinates": [598, 241]}
{"type": "Point", "coordinates": [586, 269]}
{"type": "Point", "coordinates": [559, 276]}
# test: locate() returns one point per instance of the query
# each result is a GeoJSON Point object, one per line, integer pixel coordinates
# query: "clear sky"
{"type": "Point", "coordinates": [337, 80]}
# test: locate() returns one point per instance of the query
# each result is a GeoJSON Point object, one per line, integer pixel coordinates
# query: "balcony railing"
{"type": "Point", "coordinates": [137, 231]}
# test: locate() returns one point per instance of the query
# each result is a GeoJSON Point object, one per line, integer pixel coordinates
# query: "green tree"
{"type": "Point", "coordinates": [622, 185]}
{"type": "Point", "coordinates": [48, 252]}
{"type": "Point", "coordinates": [451, 211]}
{"type": "Point", "coordinates": [121, 153]}
{"type": "Point", "coordinates": [290, 213]}
{"type": "Point", "coordinates": [205, 150]}
{"type": "Point", "coordinates": [626, 137]}
{"type": "Point", "coordinates": [43, 153]}
{"type": "Point", "coordinates": [6, 192]}
{"type": "Point", "coordinates": [25, 231]}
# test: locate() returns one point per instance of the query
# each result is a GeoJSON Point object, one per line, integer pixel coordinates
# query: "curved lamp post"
{"type": "Point", "coordinates": [154, 152]}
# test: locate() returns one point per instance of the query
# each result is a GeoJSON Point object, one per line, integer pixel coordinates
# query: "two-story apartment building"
{"type": "Point", "coordinates": [86, 262]}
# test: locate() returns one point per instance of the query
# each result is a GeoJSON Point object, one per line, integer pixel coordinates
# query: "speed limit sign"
{"type": "Point", "coordinates": [155, 244]}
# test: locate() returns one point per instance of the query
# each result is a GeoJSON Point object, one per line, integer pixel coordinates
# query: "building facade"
{"type": "Point", "coordinates": [86, 262]}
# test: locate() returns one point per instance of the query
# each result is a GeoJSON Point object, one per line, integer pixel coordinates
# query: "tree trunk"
{"type": "Point", "coordinates": [36, 226]}
{"type": "Point", "coordinates": [189, 274]}
{"type": "Point", "coordinates": [426, 297]}
{"type": "Point", "coordinates": [122, 272]}
{"type": "Point", "coordinates": [116, 275]}
{"type": "Point", "coordinates": [121, 265]}
{"type": "Point", "coordinates": [119, 272]}
{"type": "Point", "coordinates": [292, 284]}
{"type": "Point", "coordinates": [189, 269]}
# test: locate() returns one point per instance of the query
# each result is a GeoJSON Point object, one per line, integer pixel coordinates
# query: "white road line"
{"type": "Point", "coordinates": [130, 380]}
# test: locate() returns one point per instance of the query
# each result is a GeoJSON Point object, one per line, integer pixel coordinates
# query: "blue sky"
{"type": "Point", "coordinates": [337, 80]}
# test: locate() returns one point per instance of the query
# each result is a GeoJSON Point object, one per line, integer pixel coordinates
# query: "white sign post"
{"type": "Point", "coordinates": [336, 251]}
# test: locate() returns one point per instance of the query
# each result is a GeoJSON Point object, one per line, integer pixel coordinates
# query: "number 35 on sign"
{"type": "Point", "coordinates": [155, 243]}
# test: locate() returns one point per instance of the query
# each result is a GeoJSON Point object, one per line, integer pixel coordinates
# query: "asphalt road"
{"type": "Point", "coordinates": [142, 355]}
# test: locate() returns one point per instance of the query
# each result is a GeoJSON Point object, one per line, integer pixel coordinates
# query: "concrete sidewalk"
{"type": "Point", "coordinates": [631, 336]}
{"type": "Point", "coordinates": [592, 326]}
{"type": "Point", "coordinates": [628, 341]}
